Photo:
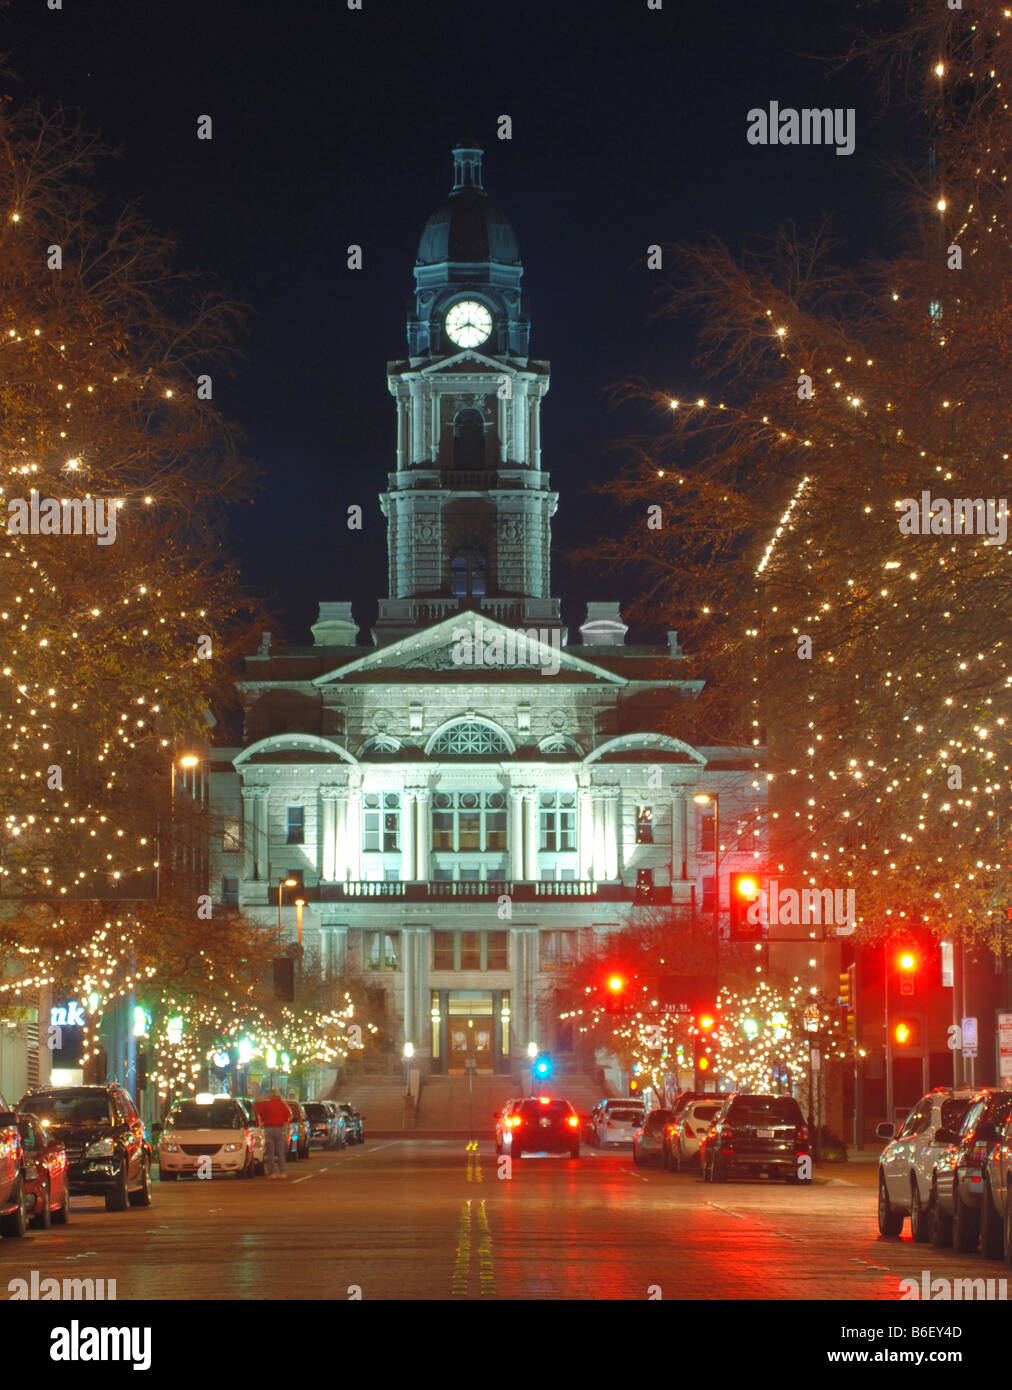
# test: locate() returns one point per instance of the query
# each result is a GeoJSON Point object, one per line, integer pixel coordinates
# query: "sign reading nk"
{"type": "Point", "coordinates": [67, 1016]}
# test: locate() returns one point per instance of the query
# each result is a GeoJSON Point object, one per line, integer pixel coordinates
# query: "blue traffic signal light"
{"type": "Point", "coordinates": [542, 1066]}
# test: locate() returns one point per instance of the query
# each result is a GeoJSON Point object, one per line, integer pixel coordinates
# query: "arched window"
{"type": "Point", "coordinates": [469, 738]}
{"type": "Point", "coordinates": [469, 441]}
{"type": "Point", "coordinates": [467, 574]}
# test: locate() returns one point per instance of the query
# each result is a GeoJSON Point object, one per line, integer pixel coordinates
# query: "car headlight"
{"type": "Point", "coordinates": [171, 1148]}
{"type": "Point", "coordinates": [232, 1148]}
{"type": "Point", "coordinates": [102, 1148]}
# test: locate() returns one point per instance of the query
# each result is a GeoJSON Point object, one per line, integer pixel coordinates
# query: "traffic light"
{"type": "Point", "coordinates": [543, 1067]}
{"type": "Point", "coordinates": [703, 1052]}
{"type": "Point", "coordinates": [745, 891]}
{"type": "Point", "coordinates": [906, 965]}
{"type": "Point", "coordinates": [906, 1033]}
{"type": "Point", "coordinates": [846, 995]}
{"type": "Point", "coordinates": [615, 992]}
{"type": "Point", "coordinates": [634, 1086]}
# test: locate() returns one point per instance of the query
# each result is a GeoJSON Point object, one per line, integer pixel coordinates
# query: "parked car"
{"type": "Point", "coordinates": [45, 1168]}
{"type": "Point", "coordinates": [755, 1134]}
{"type": "Point", "coordinates": [538, 1124]}
{"type": "Point", "coordinates": [960, 1175]}
{"type": "Point", "coordinates": [257, 1130]}
{"type": "Point", "coordinates": [998, 1199]}
{"type": "Point", "coordinates": [617, 1121]}
{"type": "Point", "coordinates": [108, 1153]}
{"type": "Point", "coordinates": [677, 1111]}
{"type": "Point", "coordinates": [299, 1133]}
{"type": "Point", "coordinates": [207, 1130]}
{"type": "Point", "coordinates": [326, 1127]}
{"type": "Point", "coordinates": [13, 1195]}
{"type": "Point", "coordinates": [354, 1122]}
{"type": "Point", "coordinates": [684, 1132]}
{"type": "Point", "coordinates": [648, 1141]}
{"type": "Point", "coordinates": [906, 1167]}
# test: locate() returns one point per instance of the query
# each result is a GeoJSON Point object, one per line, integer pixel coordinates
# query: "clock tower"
{"type": "Point", "coordinates": [468, 507]}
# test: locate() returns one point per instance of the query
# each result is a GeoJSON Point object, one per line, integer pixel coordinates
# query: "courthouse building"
{"type": "Point", "coordinates": [461, 809]}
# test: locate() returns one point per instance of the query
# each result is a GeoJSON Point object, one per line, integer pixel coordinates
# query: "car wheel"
{"type": "Point", "coordinates": [939, 1223]}
{"type": "Point", "coordinates": [16, 1223]}
{"type": "Point", "coordinates": [921, 1220]}
{"type": "Point", "coordinates": [636, 1156]}
{"type": "Point", "coordinates": [116, 1200]}
{"type": "Point", "coordinates": [890, 1221]}
{"type": "Point", "coordinates": [142, 1197]}
{"type": "Point", "coordinates": [164, 1175]}
{"type": "Point", "coordinates": [991, 1234]}
{"type": "Point", "coordinates": [42, 1217]}
{"type": "Point", "coordinates": [62, 1213]}
{"type": "Point", "coordinates": [965, 1224]}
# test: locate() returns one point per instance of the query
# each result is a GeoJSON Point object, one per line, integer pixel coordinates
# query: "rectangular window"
{"type": "Point", "coordinates": [495, 946]}
{"type": "Point", "coordinates": [442, 875]}
{"type": "Point", "coordinates": [558, 948]}
{"type": "Point", "coordinates": [707, 904]}
{"type": "Point", "coordinates": [296, 825]}
{"type": "Point", "coordinates": [469, 875]}
{"type": "Point", "coordinates": [644, 825]}
{"type": "Point", "coordinates": [706, 823]}
{"type": "Point", "coordinates": [230, 835]}
{"type": "Point", "coordinates": [380, 822]}
{"type": "Point", "coordinates": [470, 950]}
{"type": "Point", "coordinates": [495, 830]}
{"type": "Point", "coordinates": [442, 950]}
{"type": "Point", "coordinates": [469, 823]}
{"type": "Point", "coordinates": [230, 892]}
{"type": "Point", "coordinates": [557, 811]}
{"type": "Point", "coordinates": [382, 950]}
{"type": "Point", "coordinates": [442, 830]}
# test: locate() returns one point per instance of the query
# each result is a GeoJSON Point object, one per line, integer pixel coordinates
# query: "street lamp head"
{"type": "Point", "coordinates": [702, 798]}
{"type": "Point", "coordinates": [300, 902]}
{"type": "Point", "coordinates": [409, 1049]}
{"type": "Point", "coordinates": [291, 883]}
{"type": "Point", "coordinates": [189, 760]}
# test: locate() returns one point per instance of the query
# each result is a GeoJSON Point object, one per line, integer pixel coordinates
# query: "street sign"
{"type": "Point", "coordinates": [969, 1052]}
{"type": "Point", "coordinates": [1005, 1047]}
{"type": "Point", "coordinates": [969, 1035]}
{"type": "Point", "coordinates": [947, 968]}
{"type": "Point", "coordinates": [682, 1008]}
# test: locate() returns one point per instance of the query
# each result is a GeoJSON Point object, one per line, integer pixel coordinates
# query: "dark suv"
{"type": "Point", "coordinates": [752, 1133]}
{"type": "Point", "coordinates": [13, 1195]}
{"type": "Point", "coordinates": [539, 1124]}
{"type": "Point", "coordinates": [108, 1153]}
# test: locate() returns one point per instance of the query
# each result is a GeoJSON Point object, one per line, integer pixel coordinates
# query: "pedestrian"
{"type": "Point", "coordinates": [276, 1117]}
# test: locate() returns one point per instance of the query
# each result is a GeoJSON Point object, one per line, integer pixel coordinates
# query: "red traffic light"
{"type": "Point", "coordinates": [907, 961]}
{"type": "Point", "coordinates": [706, 1022]}
{"type": "Point", "coordinates": [744, 886]}
{"type": "Point", "coordinates": [616, 983]}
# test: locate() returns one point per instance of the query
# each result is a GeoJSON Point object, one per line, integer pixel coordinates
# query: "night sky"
{"type": "Point", "coordinates": [334, 126]}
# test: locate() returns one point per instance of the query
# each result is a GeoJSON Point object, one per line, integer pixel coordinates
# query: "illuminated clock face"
{"type": "Point", "coordinates": [468, 323]}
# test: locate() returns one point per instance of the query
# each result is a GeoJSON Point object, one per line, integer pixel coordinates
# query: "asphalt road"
{"type": "Point", "coordinates": [415, 1219]}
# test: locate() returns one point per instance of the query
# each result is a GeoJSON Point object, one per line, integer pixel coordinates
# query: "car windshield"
{"type": "Point", "coordinates": [704, 1112]}
{"type": "Point", "coordinates": [70, 1108]}
{"type": "Point", "coordinates": [317, 1112]}
{"type": "Point", "coordinates": [760, 1110]}
{"type": "Point", "coordinates": [220, 1114]}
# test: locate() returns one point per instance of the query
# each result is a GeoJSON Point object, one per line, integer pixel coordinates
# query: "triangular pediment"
{"type": "Point", "coordinates": [469, 361]}
{"type": "Point", "coordinates": [476, 647]}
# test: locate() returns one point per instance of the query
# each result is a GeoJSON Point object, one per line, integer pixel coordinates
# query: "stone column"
{"type": "Point", "coordinates": [423, 797]}
{"type": "Point", "coordinates": [408, 835]}
{"type": "Point", "coordinates": [531, 835]}
{"type": "Point", "coordinates": [258, 800]}
{"type": "Point", "coordinates": [353, 828]}
{"type": "Point", "coordinates": [417, 451]}
{"type": "Point", "coordinates": [585, 832]}
{"type": "Point", "coordinates": [327, 849]}
{"type": "Point", "coordinates": [501, 419]}
{"type": "Point", "coordinates": [434, 402]}
{"type": "Point", "coordinates": [677, 835]}
{"type": "Point", "coordinates": [248, 832]}
{"type": "Point", "coordinates": [516, 832]}
{"type": "Point", "coordinates": [414, 963]}
{"type": "Point", "coordinates": [612, 829]}
{"type": "Point", "coordinates": [401, 431]}
{"type": "Point", "coordinates": [535, 432]}
{"type": "Point", "coordinates": [523, 995]}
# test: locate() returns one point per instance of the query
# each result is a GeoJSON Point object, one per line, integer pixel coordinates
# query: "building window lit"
{"type": "Point", "coordinates": [470, 950]}
{"type": "Point", "coordinates": [230, 835]}
{"type": "Point", "coordinates": [469, 738]}
{"type": "Point", "coordinates": [380, 822]}
{"type": "Point", "coordinates": [382, 950]}
{"type": "Point", "coordinates": [474, 821]}
{"type": "Point", "coordinates": [644, 825]}
{"type": "Point", "coordinates": [296, 825]}
{"type": "Point", "coordinates": [558, 949]}
{"type": "Point", "coordinates": [558, 821]}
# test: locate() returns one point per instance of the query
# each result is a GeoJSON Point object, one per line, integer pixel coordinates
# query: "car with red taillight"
{"type": "Point", "coordinates": [685, 1133]}
{"type": "Point", "coordinates": [960, 1173]}
{"type": "Point", "coordinates": [538, 1124]}
{"type": "Point", "coordinates": [648, 1141]}
{"type": "Point", "coordinates": [617, 1121]}
{"type": "Point", "coordinates": [909, 1162]}
{"type": "Point", "coordinates": [45, 1162]}
{"type": "Point", "coordinates": [754, 1134]}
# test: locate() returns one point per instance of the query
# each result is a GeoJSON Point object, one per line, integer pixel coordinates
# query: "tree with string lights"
{"type": "Point", "coordinates": [841, 605]}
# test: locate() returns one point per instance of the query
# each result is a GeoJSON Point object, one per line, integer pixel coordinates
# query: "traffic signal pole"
{"type": "Point", "coordinates": [888, 1035]}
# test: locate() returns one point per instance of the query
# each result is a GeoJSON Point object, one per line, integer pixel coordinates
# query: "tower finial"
{"type": "Point", "coordinates": [467, 157]}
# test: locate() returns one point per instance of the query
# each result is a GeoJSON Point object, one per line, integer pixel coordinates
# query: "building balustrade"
{"type": "Point", "coordinates": [491, 889]}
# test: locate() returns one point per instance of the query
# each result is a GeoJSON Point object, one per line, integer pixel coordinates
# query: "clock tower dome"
{"type": "Point", "coordinates": [468, 507]}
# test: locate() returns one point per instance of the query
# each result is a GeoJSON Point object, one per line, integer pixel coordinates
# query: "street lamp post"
{"type": "Point", "coordinates": [704, 799]}
{"type": "Point", "coordinates": [299, 905]}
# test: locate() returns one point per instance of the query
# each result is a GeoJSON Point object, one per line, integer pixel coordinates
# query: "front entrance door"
{"type": "Point", "coordinates": [470, 1042]}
